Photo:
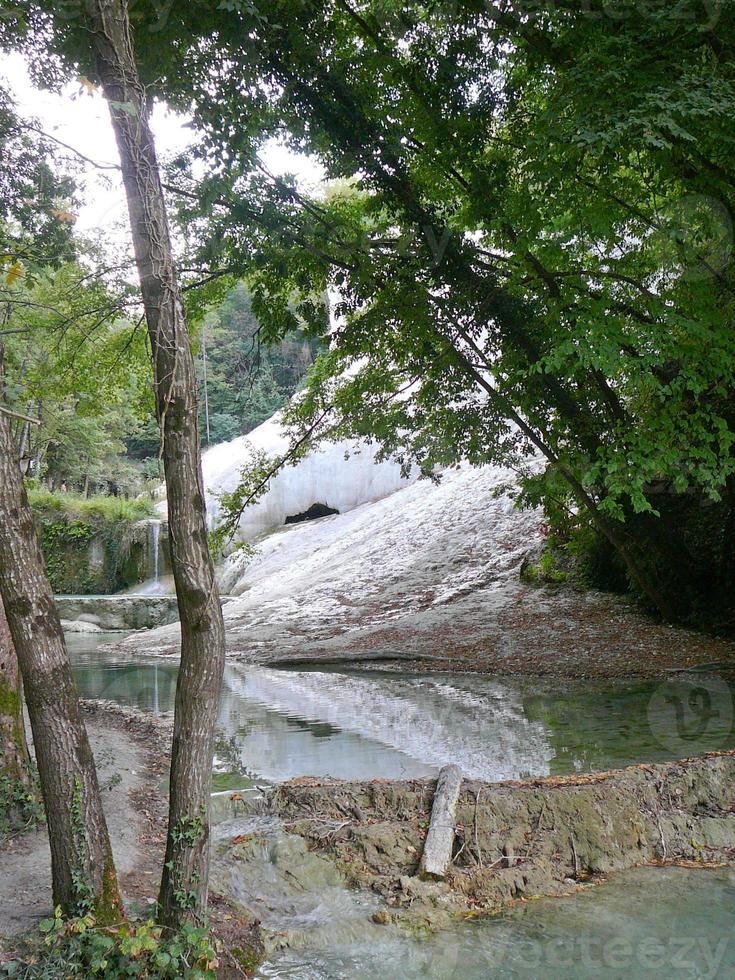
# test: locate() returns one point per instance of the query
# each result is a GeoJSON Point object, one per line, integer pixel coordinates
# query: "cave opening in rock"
{"type": "Point", "coordinates": [314, 512]}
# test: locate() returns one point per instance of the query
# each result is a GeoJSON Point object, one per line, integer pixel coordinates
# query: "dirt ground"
{"type": "Point", "coordinates": [122, 748]}
{"type": "Point", "coordinates": [132, 752]}
{"type": "Point", "coordinates": [522, 630]}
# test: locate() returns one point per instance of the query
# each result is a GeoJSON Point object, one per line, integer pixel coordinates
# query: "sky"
{"type": "Point", "coordinates": [81, 119]}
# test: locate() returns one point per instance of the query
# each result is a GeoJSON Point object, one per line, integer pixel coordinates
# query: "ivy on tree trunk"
{"type": "Point", "coordinates": [14, 759]}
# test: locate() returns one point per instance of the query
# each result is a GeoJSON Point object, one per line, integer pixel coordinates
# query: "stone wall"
{"type": "Point", "coordinates": [124, 612]}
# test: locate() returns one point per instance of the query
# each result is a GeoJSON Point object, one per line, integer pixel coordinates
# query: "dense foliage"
{"type": "Point", "coordinates": [71, 357]}
{"type": "Point", "coordinates": [247, 382]}
{"type": "Point", "coordinates": [74, 362]}
{"type": "Point", "coordinates": [529, 237]}
{"type": "Point", "coordinates": [530, 240]}
{"type": "Point", "coordinates": [81, 948]}
{"type": "Point", "coordinates": [92, 546]}
{"type": "Point", "coordinates": [36, 197]}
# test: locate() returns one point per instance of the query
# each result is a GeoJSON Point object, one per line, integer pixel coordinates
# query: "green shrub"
{"type": "Point", "coordinates": [89, 510]}
{"type": "Point", "coordinates": [79, 948]}
{"type": "Point", "coordinates": [68, 524]}
{"type": "Point", "coordinates": [20, 808]}
{"type": "Point", "coordinates": [547, 569]}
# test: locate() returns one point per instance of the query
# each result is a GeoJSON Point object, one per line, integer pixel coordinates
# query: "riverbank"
{"type": "Point", "coordinates": [513, 630]}
{"type": "Point", "coordinates": [430, 576]}
{"type": "Point", "coordinates": [282, 851]}
{"type": "Point", "coordinates": [515, 840]}
{"type": "Point", "coordinates": [125, 749]}
{"type": "Point", "coordinates": [131, 750]}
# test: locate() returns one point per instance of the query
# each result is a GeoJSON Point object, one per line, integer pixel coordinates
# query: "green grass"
{"type": "Point", "coordinates": [68, 525]}
{"type": "Point", "coordinates": [93, 510]}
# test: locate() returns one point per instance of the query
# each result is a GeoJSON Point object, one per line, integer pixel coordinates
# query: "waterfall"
{"type": "Point", "coordinates": [154, 562]}
{"type": "Point", "coordinates": [157, 582]}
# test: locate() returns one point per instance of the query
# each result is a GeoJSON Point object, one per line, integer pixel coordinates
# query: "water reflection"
{"type": "Point", "coordinates": [367, 724]}
{"type": "Point", "coordinates": [277, 724]}
{"type": "Point", "coordinates": [149, 685]}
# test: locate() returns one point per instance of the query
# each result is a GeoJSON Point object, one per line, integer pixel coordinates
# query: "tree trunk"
{"type": "Point", "coordinates": [185, 877]}
{"type": "Point", "coordinates": [25, 434]}
{"type": "Point", "coordinates": [616, 533]}
{"type": "Point", "coordinates": [14, 759]}
{"type": "Point", "coordinates": [82, 868]}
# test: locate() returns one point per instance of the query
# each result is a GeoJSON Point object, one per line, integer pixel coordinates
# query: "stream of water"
{"type": "Point", "coordinates": [645, 923]}
{"type": "Point", "coordinates": [356, 724]}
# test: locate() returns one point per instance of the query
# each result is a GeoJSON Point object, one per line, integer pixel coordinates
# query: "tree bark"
{"type": "Point", "coordinates": [82, 867]}
{"type": "Point", "coordinates": [184, 883]}
{"type": "Point", "coordinates": [14, 759]}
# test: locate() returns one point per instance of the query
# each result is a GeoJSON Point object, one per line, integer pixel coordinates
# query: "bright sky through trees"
{"type": "Point", "coordinates": [80, 119]}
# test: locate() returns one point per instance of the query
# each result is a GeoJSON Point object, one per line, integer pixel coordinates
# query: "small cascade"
{"type": "Point", "coordinates": [159, 581]}
{"type": "Point", "coordinates": [154, 555]}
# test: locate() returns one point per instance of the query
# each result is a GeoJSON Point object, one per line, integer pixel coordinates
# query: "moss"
{"type": "Point", "coordinates": [11, 709]}
{"type": "Point", "coordinates": [92, 546]}
{"type": "Point", "coordinates": [9, 700]}
{"type": "Point", "coordinates": [248, 958]}
{"type": "Point", "coordinates": [109, 907]}
{"type": "Point", "coordinates": [548, 569]}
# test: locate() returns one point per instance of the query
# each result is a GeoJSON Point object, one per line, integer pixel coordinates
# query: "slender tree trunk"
{"type": "Point", "coordinates": [82, 868]}
{"type": "Point", "coordinates": [185, 877]}
{"type": "Point", "coordinates": [24, 434]}
{"type": "Point", "coordinates": [14, 759]}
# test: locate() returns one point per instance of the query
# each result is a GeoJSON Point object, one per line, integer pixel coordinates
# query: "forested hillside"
{"type": "Point", "coordinates": [85, 377]}
{"type": "Point", "coordinates": [247, 380]}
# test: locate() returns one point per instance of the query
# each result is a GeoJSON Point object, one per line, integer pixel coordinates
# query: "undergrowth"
{"type": "Point", "coordinates": [78, 947]}
{"type": "Point", "coordinates": [96, 509]}
{"type": "Point", "coordinates": [20, 807]}
{"type": "Point", "coordinates": [91, 545]}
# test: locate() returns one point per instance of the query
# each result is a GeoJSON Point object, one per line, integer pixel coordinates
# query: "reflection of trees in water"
{"type": "Point", "coordinates": [477, 723]}
{"type": "Point", "coordinates": [151, 687]}
{"type": "Point", "coordinates": [594, 727]}
{"type": "Point", "coordinates": [227, 754]}
{"type": "Point", "coordinates": [285, 723]}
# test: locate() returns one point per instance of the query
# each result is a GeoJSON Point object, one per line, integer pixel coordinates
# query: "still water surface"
{"type": "Point", "coordinates": [360, 724]}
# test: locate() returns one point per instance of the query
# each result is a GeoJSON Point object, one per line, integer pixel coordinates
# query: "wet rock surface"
{"type": "Point", "coordinates": [431, 575]}
{"type": "Point", "coordinates": [518, 840]}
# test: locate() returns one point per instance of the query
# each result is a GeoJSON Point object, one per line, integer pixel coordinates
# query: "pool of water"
{"type": "Point", "coordinates": [662, 922]}
{"type": "Point", "coordinates": [361, 724]}
{"type": "Point", "coordinates": [276, 724]}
